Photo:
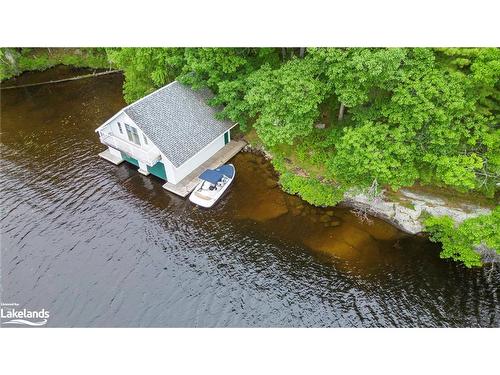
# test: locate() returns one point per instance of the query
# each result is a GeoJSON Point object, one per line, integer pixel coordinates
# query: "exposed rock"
{"type": "Point", "coordinates": [320, 126]}
{"type": "Point", "coordinates": [409, 219]}
{"type": "Point", "coordinates": [257, 150]}
{"type": "Point", "coordinates": [488, 255]}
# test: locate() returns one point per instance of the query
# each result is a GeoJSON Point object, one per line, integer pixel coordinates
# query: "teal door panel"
{"type": "Point", "coordinates": [158, 170]}
{"type": "Point", "coordinates": [226, 138]}
{"type": "Point", "coordinates": [130, 159]}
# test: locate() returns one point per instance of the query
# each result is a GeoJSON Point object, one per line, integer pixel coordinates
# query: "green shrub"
{"type": "Point", "coordinates": [310, 189]}
{"type": "Point", "coordinates": [459, 241]}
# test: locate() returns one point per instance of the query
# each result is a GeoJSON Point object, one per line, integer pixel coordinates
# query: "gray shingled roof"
{"type": "Point", "coordinates": [178, 120]}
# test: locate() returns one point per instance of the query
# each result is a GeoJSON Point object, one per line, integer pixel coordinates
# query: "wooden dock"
{"type": "Point", "coordinates": [106, 155]}
{"type": "Point", "coordinates": [188, 183]}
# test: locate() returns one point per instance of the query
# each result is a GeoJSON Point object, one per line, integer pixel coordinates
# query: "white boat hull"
{"type": "Point", "coordinates": [207, 198]}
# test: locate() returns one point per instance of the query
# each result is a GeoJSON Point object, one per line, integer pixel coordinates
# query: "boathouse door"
{"type": "Point", "coordinates": [130, 159]}
{"type": "Point", "coordinates": [158, 170]}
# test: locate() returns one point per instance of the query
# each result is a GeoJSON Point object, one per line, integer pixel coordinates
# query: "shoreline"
{"type": "Point", "coordinates": [407, 213]}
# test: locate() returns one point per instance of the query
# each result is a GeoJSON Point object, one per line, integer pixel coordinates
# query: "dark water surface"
{"type": "Point", "coordinates": [103, 246]}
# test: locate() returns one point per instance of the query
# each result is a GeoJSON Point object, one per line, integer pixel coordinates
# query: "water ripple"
{"type": "Point", "coordinates": [101, 245]}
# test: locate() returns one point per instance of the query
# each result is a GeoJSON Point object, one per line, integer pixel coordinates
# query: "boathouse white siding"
{"type": "Point", "coordinates": [172, 130]}
{"type": "Point", "coordinates": [115, 133]}
{"type": "Point", "coordinates": [123, 119]}
{"type": "Point", "coordinates": [199, 158]}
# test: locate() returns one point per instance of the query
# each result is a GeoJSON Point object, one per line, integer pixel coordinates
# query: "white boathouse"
{"type": "Point", "coordinates": [171, 133]}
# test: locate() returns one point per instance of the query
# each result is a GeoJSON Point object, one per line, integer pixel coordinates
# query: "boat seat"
{"type": "Point", "coordinates": [199, 195]}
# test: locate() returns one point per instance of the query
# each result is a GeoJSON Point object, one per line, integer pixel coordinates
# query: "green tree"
{"type": "Point", "coordinates": [413, 114]}
{"type": "Point", "coordinates": [374, 152]}
{"type": "Point", "coordinates": [146, 69]}
{"type": "Point", "coordinates": [285, 101]}
{"type": "Point", "coordinates": [411, 118]}
{"type": "Point", "coordinates": [480, 66]}
{"type": "Point", "coordinates": [225, 71]}
{"type": "Point", "coordinates": [354, 75]}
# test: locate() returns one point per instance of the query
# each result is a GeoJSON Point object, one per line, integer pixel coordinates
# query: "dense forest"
{"type": "Point", "coordinates": [394, 115]}
{"type": "Point", "coordinates": [356, 117]}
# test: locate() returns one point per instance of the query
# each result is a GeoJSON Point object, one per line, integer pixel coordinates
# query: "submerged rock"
{"type": "Point", "coordinates": [334, 223]}
{"type": "Point", "coordinates": [382, 231]}
{"type": "Point", "coordinates": [345, 242]}
{"type": "Point", "coordinates": [262, 202]}
{"type": "Point", "coordinates": [324, 219]}
{"type": "Point", "coordinates": [269, 207]}
{"type": "Point", "coordinates": [271, 183]}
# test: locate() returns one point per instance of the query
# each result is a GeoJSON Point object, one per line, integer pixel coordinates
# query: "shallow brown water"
{"type": "Point", "coordinates": [103, 246]}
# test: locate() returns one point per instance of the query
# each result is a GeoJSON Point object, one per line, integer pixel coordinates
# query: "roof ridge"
{"type": "Point", "coordinates": [150, 94]}
{"type": "Point", "coordinates": [179, 121]}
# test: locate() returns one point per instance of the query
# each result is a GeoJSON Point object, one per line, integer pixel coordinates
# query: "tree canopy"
{"type": "Point", "coordinates": [395, 115]}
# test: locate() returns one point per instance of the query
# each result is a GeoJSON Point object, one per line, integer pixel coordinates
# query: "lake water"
{"type": "Point", "coordinates": [100, 245]}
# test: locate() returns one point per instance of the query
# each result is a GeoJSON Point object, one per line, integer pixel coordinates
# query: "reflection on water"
{"type": "Point", "coordinates": [100, 245]}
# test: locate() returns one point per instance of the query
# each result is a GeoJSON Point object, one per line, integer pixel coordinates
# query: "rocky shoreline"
{"type": "Point", "coordinates": [408, 212]}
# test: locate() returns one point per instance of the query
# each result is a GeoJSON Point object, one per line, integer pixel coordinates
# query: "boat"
{"type": "Point", "coordinates": [213, 183]}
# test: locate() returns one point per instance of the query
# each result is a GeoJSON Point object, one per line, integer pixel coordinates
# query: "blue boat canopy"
{"type": "Point", "coordinates": [215, 175]}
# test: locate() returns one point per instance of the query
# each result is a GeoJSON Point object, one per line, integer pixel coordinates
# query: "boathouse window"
{"type": "Point", "coordinates": [132, 134]}
{"type": "Point", "coordinates": [120, 128]}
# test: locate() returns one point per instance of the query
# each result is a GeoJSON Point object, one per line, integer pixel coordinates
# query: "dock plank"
{"type": "Point", "coordinates": [188, 183]}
